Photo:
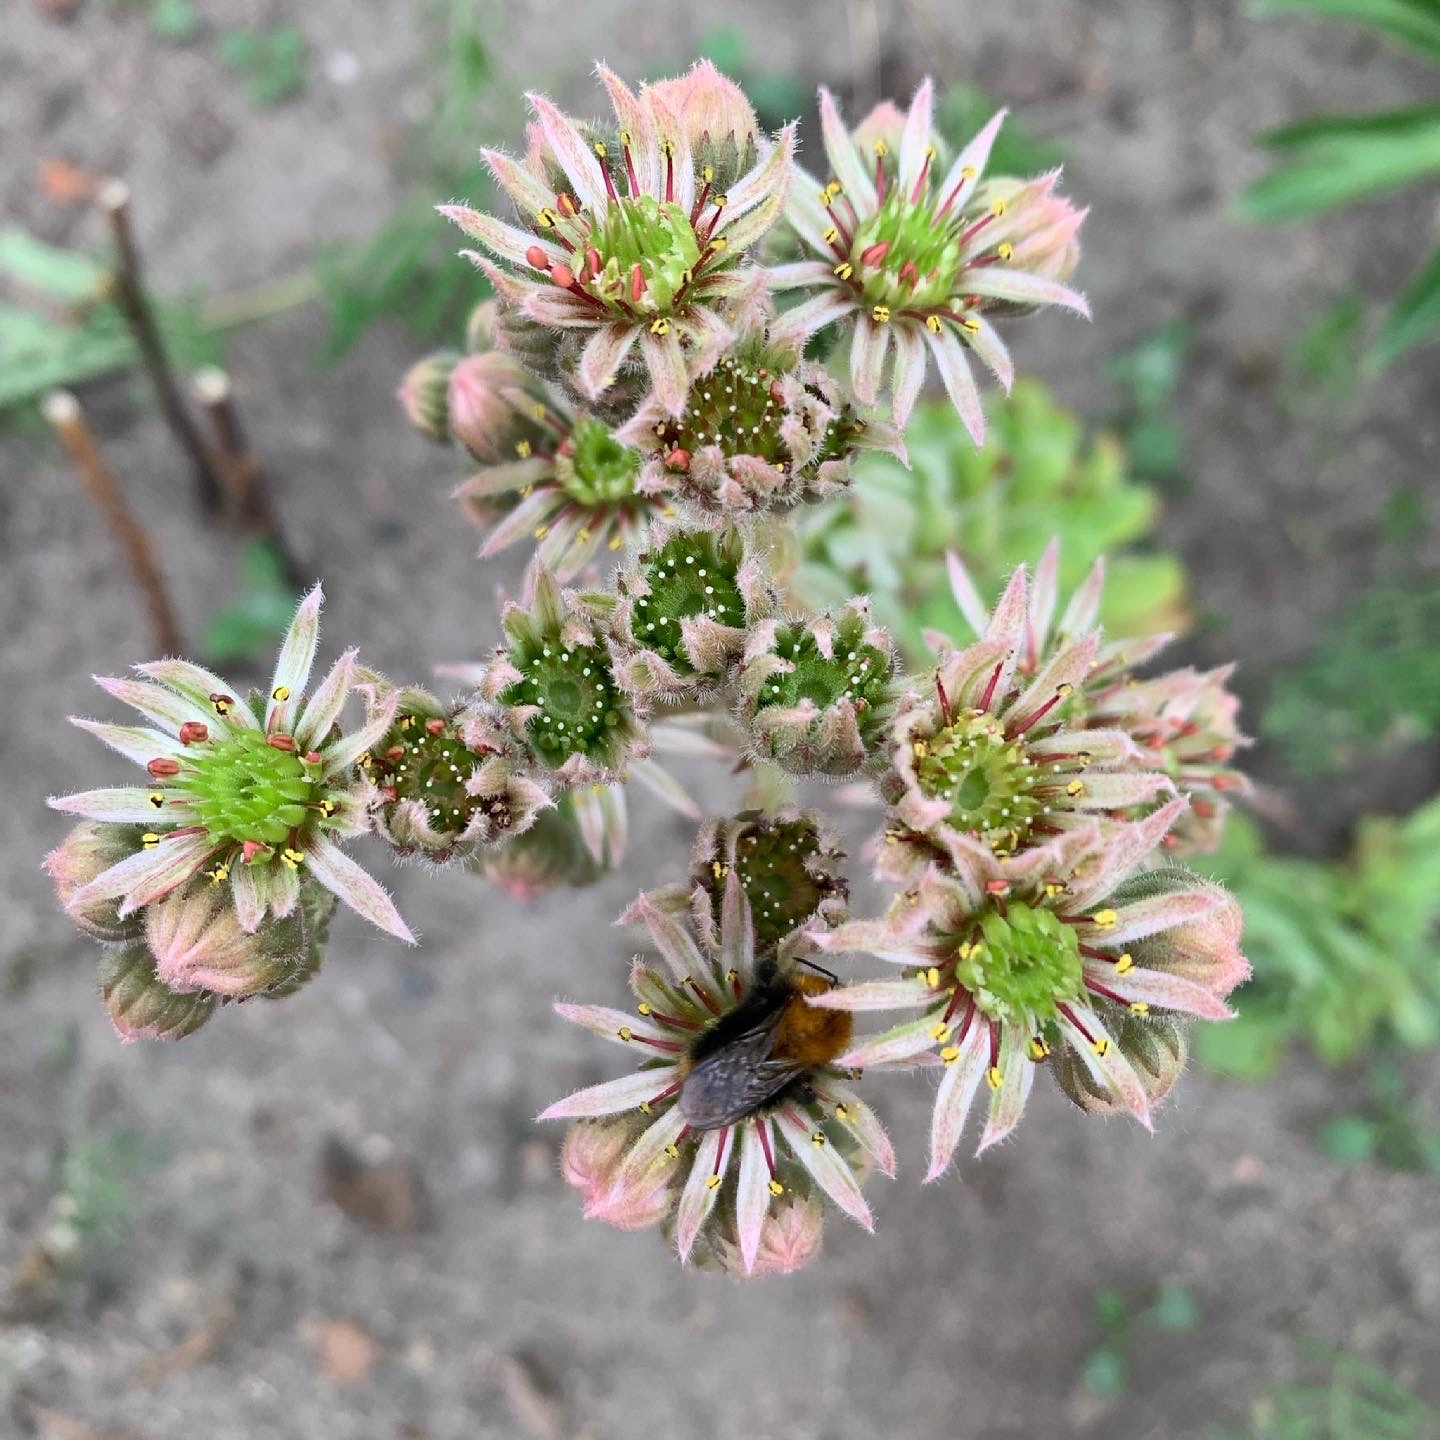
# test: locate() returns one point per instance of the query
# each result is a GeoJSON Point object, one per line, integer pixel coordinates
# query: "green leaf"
{"type": "Point", "coordinates": [1104, 1373]}
{"type": "Point", "coordinates": [1348, 165]}
{"type": "Point", "coordinates": [1175, 1309]}
{"type": "Point", "coordinates": [725, 48]}
{"type": "Point", "coordinates": [66, 276]}
{"type": "Point", "coordinates": [1342, 127]}
{"type": "Point", "coordinates": [1415, 23]}
{"type": "Point", "coordinates": [245, 629]}
{"type": "Point", "coordinates": [1415, 318]}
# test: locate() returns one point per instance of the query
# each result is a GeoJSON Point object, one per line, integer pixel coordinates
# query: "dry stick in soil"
{"type": "Point", "coordinates": [240, 469]}
{"type": "Point", "coordinates": [63, 412]}
{"type": "Point", "coordinates": [114, 201]}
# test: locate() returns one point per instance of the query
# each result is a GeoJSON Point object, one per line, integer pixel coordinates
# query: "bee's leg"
{"type": "Point", "coordinates": [819, 970]}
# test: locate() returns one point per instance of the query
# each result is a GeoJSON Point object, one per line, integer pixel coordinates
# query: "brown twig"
{"type": "Point", "coordinates": [113, 200]}
{"type": "Point", "coordinates": [239, 468]}
{"type": "Point", "coordinates": [63, 412]}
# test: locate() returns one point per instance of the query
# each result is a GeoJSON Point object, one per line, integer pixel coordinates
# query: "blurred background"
{"type": "Point", "coordinates": [336, 1218]}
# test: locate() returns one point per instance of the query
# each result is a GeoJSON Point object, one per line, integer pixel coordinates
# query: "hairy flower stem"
{"type": "Point", "coordinates": [240, 469]}
{"type": "Point", "coordinates": [134, 304]}
{"type": "Point", "coordinates": [63, 412]}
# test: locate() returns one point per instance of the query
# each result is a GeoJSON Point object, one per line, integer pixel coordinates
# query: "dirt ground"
{"type": "Point", "coordinates": [244, 1304]}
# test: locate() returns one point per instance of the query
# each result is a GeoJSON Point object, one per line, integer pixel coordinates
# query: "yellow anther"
{"type": "Point", "coordinates": [523, 448]}
{"type": "Point", "coordinates": [719, 201]}
{"type": "Point", "coordinates": [776, 1188]}
{"type": "Point", "coordinates": [1105, 919]}
{"type": "Point", "coordinates": [537, 410]}
{"type": "Point", "coordinates": [545, 219]}
{"type": "Point", "coordinates": [600, 148]}
{"type": "Point", "coordinates": [541, 531]}
{"type": "Point", "coordinates": [881, 149]}
{"type": "Point", "coordinates": [625, 1033]}
{"type": "Point", "coordinates": [644, 1008]}
{"type": "Point", "coordinates": [157, 798]}
{"type": "Point", "coordinates": [1075, 789]}
{"type": "Point", "coordinates": [667, 148]}
{"type": "Point", "coordinates": [1139, 1007]}
{"type": "Point", "coordinates": [708, 174]}
{"type": "Point", "coordinates": [1101, 1046]}
{"type": "Point", "coordinates": [921, 749]}
{"type": "Point", "coordinates": [880, 314]}
{"type": "Point", "coordinates": [583, 535]}
{"type": "Point", "coordinates": [1054, 888]}
{"type": "Point", "coordinates": [970, 325]}
{"type": "Point", "coordinates": [1125, 964]}
{"type": "Point", "coordinates": [844, 270]}
{"type": "Point", "coordinates": [1005, 251]}
{"type": "Point", "coordinates": [280, 693]}
{"type": "Point", "coordinates": [219, 874]}
{"type": "Point", "coordinates": [645, 1108]}
{"type": "Point", "coordinates": [833, 188]}
{"type": "Point", "coordinates": [731, 976]}
{"type": "Point", "coordinates": [841, 1113]}
{"type": "Point", "coordinates": [940, 1031]}
{"type": "Point", "coordinates": [831, 236]}
{"type": "Point", "coordinates": [660, 326]}
{"type": "Point", "coordinates": [966, 949]}
{"type": "Point", "coordinates": [673, 1151]}
{"type": "Point", "coordinates": [817, 1137]}
{"type": "Point", "coordinates": [222, 704]}
{"type": "Point", "coordinates": [1065, 691]}
{"type": "Point", "coordinates": [932, 324]}
{"type": "Point", "coordinates": [149, 840]}
{"type": "Point", "coordinates": [292, 857]}
{"type": "Point", "coordinates": [526, 491]}
{"type": "Point", "coordinates": [624, 137]}
{"type": "Point", "coordinates": [950, 1054]}
{"type": "Point", "coordinates": [615, 543]}
{"type": "Point", "coordinates": [994, 1078]}
{"type": "Point", "coordinates": [932, 977]}
{"type": "Point", "coordinates": [998, 209]}
{"type": "Point", "coordinates": [1038, 1049]}
{"type": "Point", "coordinates": [718, 243]}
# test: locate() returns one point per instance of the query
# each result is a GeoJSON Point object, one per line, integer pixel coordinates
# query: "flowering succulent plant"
{"type": "Point", "coordinates": [643, 413]}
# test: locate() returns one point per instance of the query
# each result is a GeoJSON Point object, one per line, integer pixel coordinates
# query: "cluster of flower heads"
{"type": "Point", "coordinates": [645, 411]}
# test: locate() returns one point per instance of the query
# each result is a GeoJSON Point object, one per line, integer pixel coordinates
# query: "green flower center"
{"type": "Point", "coordinates": [657, 236]}
{"type": "Point", "coordinates": [782, 893]}
{"type": "Point", "coordinates": [424, 759]}
{"type": "Point", "coordinates": [688, 576]}
{"type": "Point", "coordinates": [917, 268]}
{"type": "Point", "coordinates": [242, 788]}
{"type": "Point", "coordinates": [988, 780]}
{"type": "Point", "coordinates": [575, 692]}
{"type": "Point", "coordinates": [738, 405]}
{"type": "Point", "coordinates": [857, 672]}
{"type": "Point", "coordinates": [1023, 966]}
{"type": "Point", "coordinates": [597, 469]}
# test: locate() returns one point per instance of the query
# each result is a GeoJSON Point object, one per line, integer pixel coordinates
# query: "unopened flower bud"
{"type": "Point", "coordinates": [718, 120]}
{"type": "Point", "coordinates": [91, 848]}
{"type": "Point", "coordinates": [424, 393]}
{"type": "Point", "coordinates": [140, 1005]}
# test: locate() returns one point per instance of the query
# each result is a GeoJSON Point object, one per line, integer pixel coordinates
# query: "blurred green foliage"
{"type": "Point", "coordinates": [407, 268]}
{"type": "Point", "coordinates": [1349, 1399]}
{"type": "Point", "coordinates": [1389, 1130]}
{"type": "Point", "coordinates": [1346, 954]}
{"type": "Point", "coordinates": [778, 96]}
{"type": "Point", "coordinates": [1149, 376]}
{"type": "Point", "coordinates": [1335, 160]}
{"type": "Point", "coordinates": [245, 628]}
{"type": "Point", "coordinates": [1106, 1368]}
{"type": "Point", "coordinates": [1372, 681]}
{"type": "Point", "coordinates": [997, 507]}
{"type": "Point", "coordinates": [963, 110]}
{"type": "Point", "coordinates": [59, 327]}
{"type": "Point", "coordinates": [269, 59]}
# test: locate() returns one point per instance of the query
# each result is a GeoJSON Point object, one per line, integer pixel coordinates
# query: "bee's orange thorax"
{"type": "Point", "coordinates": [809, 1036]}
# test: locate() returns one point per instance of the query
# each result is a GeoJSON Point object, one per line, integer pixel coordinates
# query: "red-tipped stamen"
{"type": "Point", "coordinates": [968, 235]}
{"type": "Point", "coordinates": [699, 204]}
{"type": "Point", "coordinates": [994, 1043]}
{"type": "Point", "coordinates": [1096, 988]}
{"type": "Point", "coordinates": [944, 699]}
{"type": "Point", "coordinates": [674, 1021]}
{"type": "Point", "coordinates": [705, 997]}
{"type": "Point", "coordinates": [605, 172]}
{"type": "Point", "coordinates": [990, 685]}
{"type": "Point", "coordinates": [1075, 1020]}
{"type": "Point", "coordinates": [762, 1129]}
{"type": "Point", "coordinates": [923, 179]}
{"type": "Point", "coordinates": [1014, 732]}
{"type": "Point", "coordinates": [669, 149]}
{"type": "Point", "coordinates": [670, 1047]}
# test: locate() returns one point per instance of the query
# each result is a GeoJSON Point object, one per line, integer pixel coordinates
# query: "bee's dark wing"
{"type": "Point", "coordinates": [727, 1085]}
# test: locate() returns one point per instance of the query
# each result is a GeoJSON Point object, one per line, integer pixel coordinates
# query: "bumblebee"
{"type": "Point", "coordinates": [768, 1043]}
